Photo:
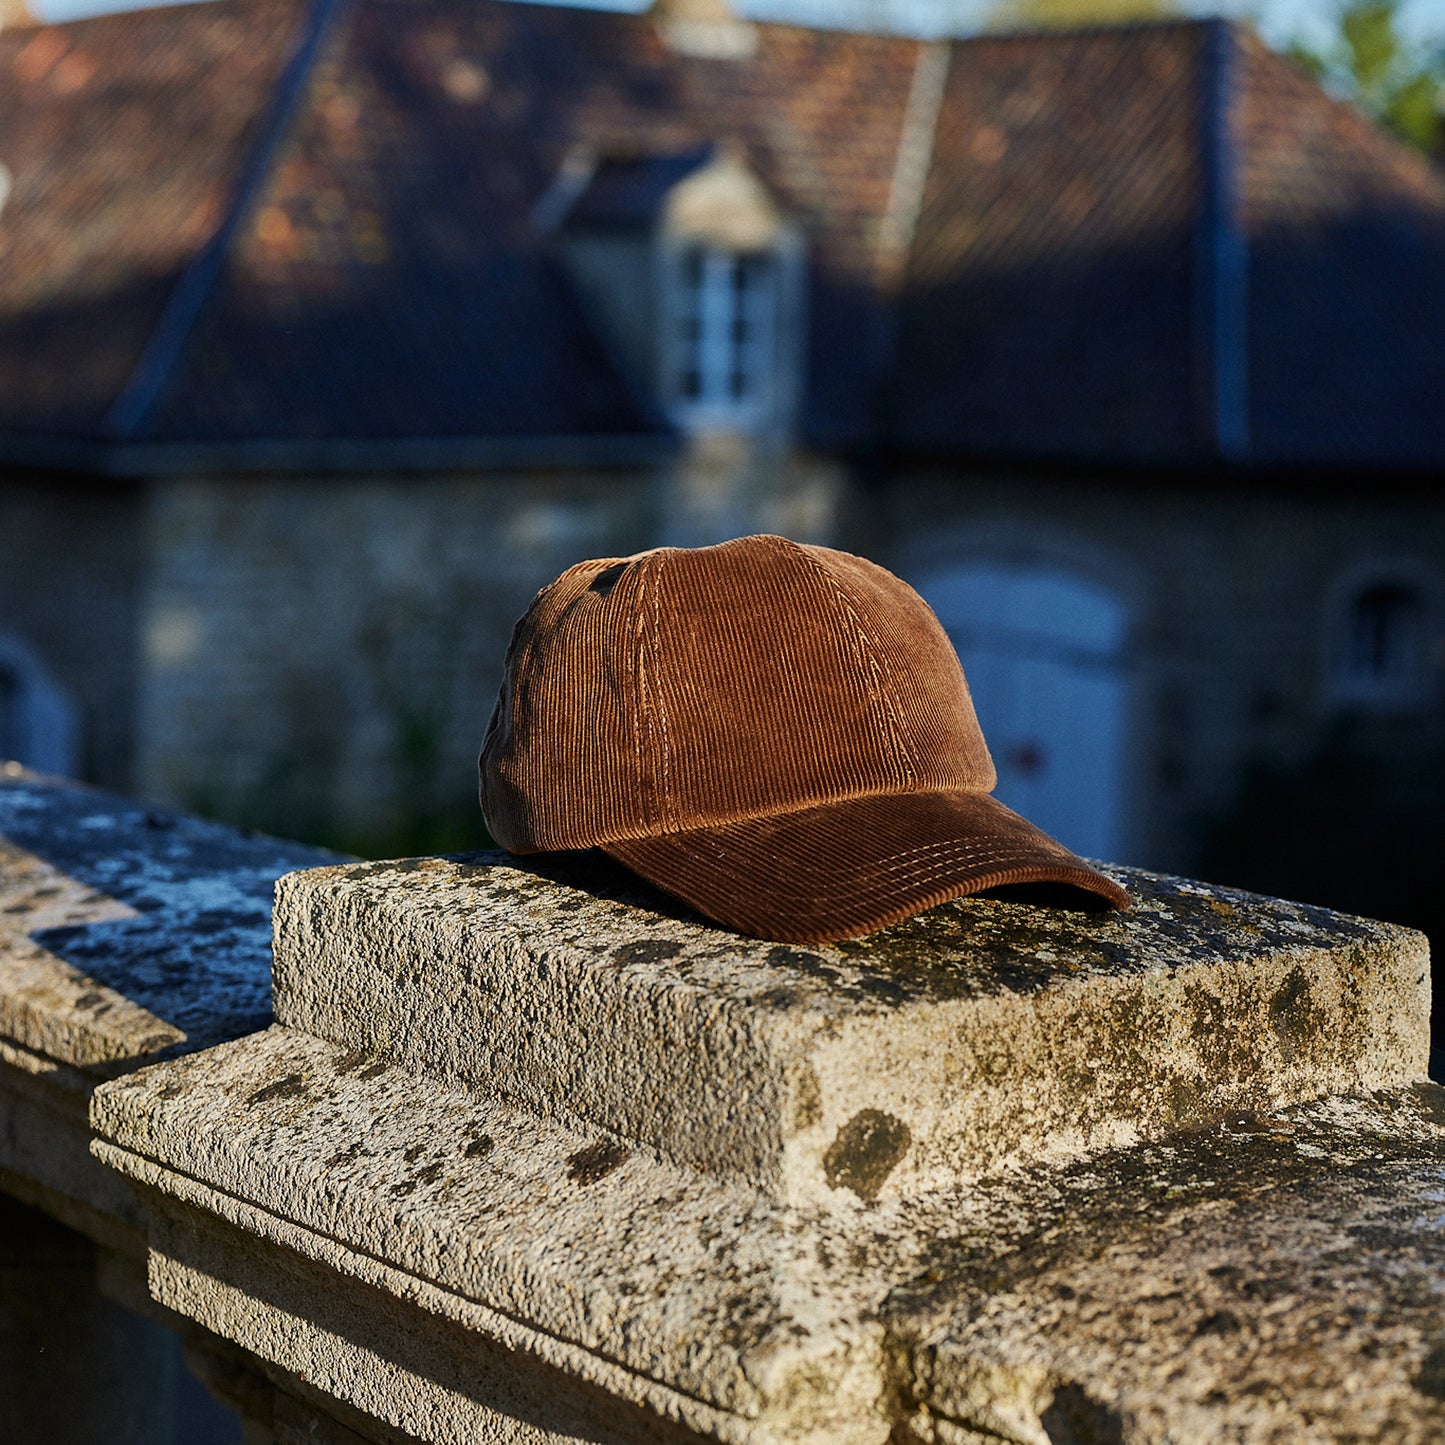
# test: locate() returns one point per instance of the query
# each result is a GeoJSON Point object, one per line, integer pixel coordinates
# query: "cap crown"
{"type": "Point", "coordinates": [687, 688]}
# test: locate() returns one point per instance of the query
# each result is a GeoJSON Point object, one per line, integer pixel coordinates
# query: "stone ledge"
{"type": "Point", "coordinates": [1277, 1279]}
{"type": "Point", "coordinates": [343, 1220]}
{"type": "Point", "coordinates": [702, 1304]}
{"type": "Point", "coordinates": [975, 1037]}
{"type": "Point", "coordinates": [126, 934]}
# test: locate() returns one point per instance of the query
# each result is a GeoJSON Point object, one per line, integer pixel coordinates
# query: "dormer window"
{"type": "Point", "coordinates": [725, 323]}
{"type": "Point", "coordinates": [730, 272]}
{"type": "Point", "coordinates": [694, 275]}
{"type": "Point", "coordinates": [1385, 627]}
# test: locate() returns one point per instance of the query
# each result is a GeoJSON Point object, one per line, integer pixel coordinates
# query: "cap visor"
{"type": "Point", "coordinates": [837, 870]}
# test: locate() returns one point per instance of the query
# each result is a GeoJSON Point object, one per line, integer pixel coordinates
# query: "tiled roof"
{"type": "Point", "coordinates": [125, 137]}
{"type": "Point", "coordinates": [395, 240]}
{"type": "Point", "coordinates": [1048, 295]}
{"type": "Point", "coordinates": [1167, 244]}
{"type": "Point", "coordinates": [251, 222]}
{"type": "Point", "coordinates": [1346, 278]}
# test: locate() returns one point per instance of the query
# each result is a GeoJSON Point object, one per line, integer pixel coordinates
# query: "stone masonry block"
{"type": "Point", "coordinates": [976, 1037]}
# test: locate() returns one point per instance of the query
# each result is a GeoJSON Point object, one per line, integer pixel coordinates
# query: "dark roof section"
{"type": "Point", "coordinates": [253, 230]}
{"type": "Point", "coordinates": [373, 273]}
{"type": "Point", "coordinates": [1345, 233]}
{"type": "Point", "coordinates": [627, 192]}
{"type": "Point", "coordinates": [388, 282]}
{"type": "Point", "coordinates": [126, 137]}
{"type": "Point", "coordinates": [1165, 244]}
{"type": "Point", "coordinates": [1049, 287]}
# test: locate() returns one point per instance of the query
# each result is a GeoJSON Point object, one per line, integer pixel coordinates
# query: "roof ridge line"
{"type": "Point", "coordinates": [914, 157]}
{"type": "Point", "coordinates": [197, 281]}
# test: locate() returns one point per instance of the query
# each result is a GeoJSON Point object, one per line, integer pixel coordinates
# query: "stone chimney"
{"type": "Point", "coordinates": [14, 12]}
{"type": "Point", "coordinates": [707, 29]}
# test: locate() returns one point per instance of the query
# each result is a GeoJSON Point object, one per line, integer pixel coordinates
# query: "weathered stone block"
{"type": "Point", "coordinates": [454, 1268]}
{"type": "Point", "coordinates": [970, 1039]}
{"type": "Point", "coordinates": [126, 934]}
{"type": "Point", "coordinates": [496, 1247]}
{"type": "Point", "coordinates": [1278, 1278]}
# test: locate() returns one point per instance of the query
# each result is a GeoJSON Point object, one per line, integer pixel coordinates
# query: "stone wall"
{"type": "Point", "coordinates": [322, 654]}
{"type": "Point", "coordinates": [1233, 592]}
{"type": "Point", "coordinates": [71, 570]}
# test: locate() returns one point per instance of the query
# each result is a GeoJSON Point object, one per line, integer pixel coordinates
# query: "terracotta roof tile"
{"type": "Point", "coordinates": [391, 270]}
{"type": "Point", "coordinates": [197, 249]}
{"type": "Point", "coordinates": [124, 136]}
{"type": "Point", "coordinates": [1049, 285]}
{"type": "Point", "coordinates": [1346, 247]}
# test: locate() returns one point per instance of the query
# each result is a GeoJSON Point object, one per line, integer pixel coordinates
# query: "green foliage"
{"type": "Point", "coordinates": [1076, 14]}
{"type": "Point", "coordinates": [1368, 60]}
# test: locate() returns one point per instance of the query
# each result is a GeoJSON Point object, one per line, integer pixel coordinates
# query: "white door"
{"type": "Point", "coordinates": [1043, 653]}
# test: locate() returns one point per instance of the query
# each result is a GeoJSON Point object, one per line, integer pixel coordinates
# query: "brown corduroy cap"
{"type": "Point", "coordinates": [779, 735]}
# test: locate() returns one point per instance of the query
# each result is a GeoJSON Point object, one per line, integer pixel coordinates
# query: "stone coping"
{"type": "Point", "coordinates": [1275, 1276]}
{"type": "Point", "coordinates": [1279, 1278]}
{"type": "Point", "coordinates": [127, 932]}
{"type": "Point", "coordinates": [976, 1037]}
{"type": "Point", "coordinates": [705, 1303]}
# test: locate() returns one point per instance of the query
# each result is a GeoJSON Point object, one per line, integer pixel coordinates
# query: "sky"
{"type": "Point", "coordinates": [1279, 20]}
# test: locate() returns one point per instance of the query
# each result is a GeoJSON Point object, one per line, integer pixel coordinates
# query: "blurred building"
{"type": "Point", "coordinates": [329, 332]}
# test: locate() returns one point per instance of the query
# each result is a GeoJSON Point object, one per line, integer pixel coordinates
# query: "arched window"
{"type": "Point", "coordinates": [10, 743]}
{"type": "Point", "coordinates": [1382, 644]}
{"type": "Point", "coordinates": [1385, 633]}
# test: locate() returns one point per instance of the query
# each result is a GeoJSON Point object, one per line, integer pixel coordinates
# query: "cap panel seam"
{"type": "Point", "coordinates": [874, 671]}
{"type": "Point", "coordinates": [642, 717]}
{"type": "Point", "coordinates": [666, 811]}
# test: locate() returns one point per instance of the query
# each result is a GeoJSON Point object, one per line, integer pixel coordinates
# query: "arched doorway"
{"type": "Point", "coordinates": [37, 720]}
{"type": "Point", "coordinates": [1043, 650]}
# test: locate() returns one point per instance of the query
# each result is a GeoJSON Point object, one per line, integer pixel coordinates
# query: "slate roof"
{"type": "Point", "coordinates": [1166, 244]}
{"type": "Point", "coordinates": [256, 228]}
{"type": "Point", "coordinates": [124, 137]}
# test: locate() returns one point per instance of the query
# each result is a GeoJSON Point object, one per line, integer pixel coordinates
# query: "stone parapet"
{"type": "Point", "coordinates": [127, 935]}
{"type": "Point", "coordinates": [531, 1154]}
{"type": "Point", "coordinates": [1272, 1278]}
{"type": "Point", "coordinates": [454, 1268]}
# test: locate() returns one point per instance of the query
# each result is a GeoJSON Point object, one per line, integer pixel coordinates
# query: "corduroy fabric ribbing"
{"type": "Point", "coordinates": [784, 726]}
{"type": "Point", "coordinates": [834, 870]}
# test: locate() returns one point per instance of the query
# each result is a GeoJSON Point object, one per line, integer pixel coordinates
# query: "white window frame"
{"type": "Point", "coordinates": [709, 301]}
